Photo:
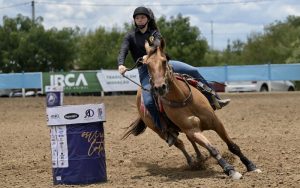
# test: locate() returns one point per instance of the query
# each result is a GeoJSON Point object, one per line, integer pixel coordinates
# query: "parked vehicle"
{"type": "Point", "coordinates": [5, 92]}
{"type": "Point", "coordinates": [18, 93]}
{"type": "Point", "coordinates": [259, 86]}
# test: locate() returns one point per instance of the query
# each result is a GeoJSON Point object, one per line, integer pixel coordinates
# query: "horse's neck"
{"type": "Point", "coordinates": [177, 91]}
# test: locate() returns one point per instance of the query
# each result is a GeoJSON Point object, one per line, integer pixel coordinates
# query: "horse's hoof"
{"type": "Point", "coordinates": [257, 170]}
{"type": "Point", "coordinates": [235, 175]}
{"type": "Point", "coordinates": [251, 167]}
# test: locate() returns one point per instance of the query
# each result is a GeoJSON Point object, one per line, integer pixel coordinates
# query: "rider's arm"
{"type": "Point", "coordinates": [123, 53]}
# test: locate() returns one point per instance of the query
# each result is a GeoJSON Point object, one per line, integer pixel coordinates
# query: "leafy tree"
{"type": "Point", "coordinates": [183, 41]}
{"type": "Point", "coordinates": [27, 46]}
{"type": "Point", "coordinates": [278, 44]}
{"type": "Point", "coordinates": [99, 49]}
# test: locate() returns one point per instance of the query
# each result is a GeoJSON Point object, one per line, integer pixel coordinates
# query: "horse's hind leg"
{"type": "Point", "coordinates": [235, 149]}
{"type": "Point", "coordinates": [198, 137]}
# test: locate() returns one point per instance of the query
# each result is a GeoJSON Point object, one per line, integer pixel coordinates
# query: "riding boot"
{"type": "Point", "coordinates": [215, 101]}
{"type": "Point", "coordinates": [171, 137]}
{"type": "Point", "coordinates": [219, 103]}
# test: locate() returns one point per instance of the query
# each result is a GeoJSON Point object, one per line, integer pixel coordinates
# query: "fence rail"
{"type": "Point", "coordinates": [270, 72]}
{"type": "Point", "coordinates": [93, 81]}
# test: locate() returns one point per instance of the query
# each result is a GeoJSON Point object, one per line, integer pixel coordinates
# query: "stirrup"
{"type": "Point", "coordinates": [216, 104]}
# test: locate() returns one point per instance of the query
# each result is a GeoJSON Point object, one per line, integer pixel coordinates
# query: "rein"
{"type": "Point", "coordinates": [137, 64]}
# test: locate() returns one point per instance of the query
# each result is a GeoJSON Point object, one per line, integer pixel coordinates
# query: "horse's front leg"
{"type": "Point", "coordinates": [194, 133]}
{"type": "Point", "coordinates": [234, 148]}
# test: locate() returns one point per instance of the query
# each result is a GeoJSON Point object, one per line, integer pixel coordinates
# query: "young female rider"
{"type": "Point", "coordinates": [134, 42]}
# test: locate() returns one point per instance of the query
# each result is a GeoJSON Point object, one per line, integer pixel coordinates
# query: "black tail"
{"type": "Point", "coordinates": [136, 128]}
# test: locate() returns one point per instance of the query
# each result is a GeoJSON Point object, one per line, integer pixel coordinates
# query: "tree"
{"type": "Point", "coordinates": [183, 41]}
{"type": "Point", "coordinates": [99, 49]}
{"type": "Point", "coordinates": [27, 46]}
{"type": "Point", "coordinates": [278, 44]}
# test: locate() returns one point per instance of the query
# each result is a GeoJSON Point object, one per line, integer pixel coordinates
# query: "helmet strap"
{"type": "Point", "coordinates": [141, 26]}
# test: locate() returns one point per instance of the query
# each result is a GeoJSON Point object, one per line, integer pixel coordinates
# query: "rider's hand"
{"type": "Point", "coordinates": [122, 69]}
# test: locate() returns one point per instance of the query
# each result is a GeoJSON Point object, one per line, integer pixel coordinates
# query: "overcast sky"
{"type": "Point", "coordinates": [229, 19]}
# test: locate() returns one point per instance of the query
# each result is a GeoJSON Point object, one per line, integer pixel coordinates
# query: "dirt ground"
{"type": "Point", "coordinates": [265, 126]}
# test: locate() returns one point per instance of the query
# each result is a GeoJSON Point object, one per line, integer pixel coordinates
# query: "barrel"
{"type": "Point", "coordinates": [77, 143]}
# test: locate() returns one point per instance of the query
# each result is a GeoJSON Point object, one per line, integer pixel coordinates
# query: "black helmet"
{"type": "Point", "coordinates": [151, 14]}
{"type": "Point", "coordinates": [142, 10]}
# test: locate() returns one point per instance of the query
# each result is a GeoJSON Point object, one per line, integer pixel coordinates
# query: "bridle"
{"type": "Point", "coordinates": [168, 76]}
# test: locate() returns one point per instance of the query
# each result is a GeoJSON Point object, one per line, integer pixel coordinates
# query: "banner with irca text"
{"type": "Point", "coordinates": [92, 81]}
{"type": "Point", "coordinates": [73, 82]}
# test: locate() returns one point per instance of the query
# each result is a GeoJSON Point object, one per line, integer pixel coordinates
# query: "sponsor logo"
{"type": "Point", "coordinates": [54, 116]}
{"type": "Point", "coordinates": [89, 113]}
{"type": "Point", "coordinates": [52, 99]}
{"type": "Point", "coordinates": [71, 116]}
{"type": "Point", "coordinates": [69, 80]}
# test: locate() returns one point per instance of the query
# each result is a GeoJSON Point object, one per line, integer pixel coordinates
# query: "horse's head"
{"type": "Point", "coordinates": [158, 68]}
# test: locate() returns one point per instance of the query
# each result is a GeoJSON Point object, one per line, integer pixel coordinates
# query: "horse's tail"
{"type": "Point", "coordinates": [136, 128]}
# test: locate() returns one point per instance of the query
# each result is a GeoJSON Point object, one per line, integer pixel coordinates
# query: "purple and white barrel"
{"type": "Point", "coordinates": [77, 143]}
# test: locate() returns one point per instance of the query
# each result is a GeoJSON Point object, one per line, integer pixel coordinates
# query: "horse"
{"type": "Point", "coordinates": [188, 109]}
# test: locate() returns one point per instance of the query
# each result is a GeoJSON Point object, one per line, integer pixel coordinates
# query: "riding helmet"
{"type": "Point", "coordinates": [142, 10]}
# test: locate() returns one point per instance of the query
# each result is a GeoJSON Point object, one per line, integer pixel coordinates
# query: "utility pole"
{"type": "Point", "coordinates": [33, 11]}
{"type": "Point", "coordinates": [212, 35]}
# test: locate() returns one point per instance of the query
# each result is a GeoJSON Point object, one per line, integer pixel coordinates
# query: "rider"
{"type": "Point", "coordinates": [134, 41]}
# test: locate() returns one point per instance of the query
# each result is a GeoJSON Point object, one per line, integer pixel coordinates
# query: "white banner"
{"type": "Point", "coordinates": [112, 80]}
{"type": "Point", "coordinates": [74, 114]}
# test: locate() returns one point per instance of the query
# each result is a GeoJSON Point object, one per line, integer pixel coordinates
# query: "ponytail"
{"type": "Point", "coordinates": [152, 24]}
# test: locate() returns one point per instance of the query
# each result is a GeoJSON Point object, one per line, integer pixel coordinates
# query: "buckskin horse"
{"type": "Point", "coordinates": [188, 109]}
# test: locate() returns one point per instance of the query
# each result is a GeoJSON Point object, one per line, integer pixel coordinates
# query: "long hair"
{"type": "Point", "coordinates": [152, 24]}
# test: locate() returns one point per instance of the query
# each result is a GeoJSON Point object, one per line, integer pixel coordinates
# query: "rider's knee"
{"type": "Point", "coordinates": [148, 102]}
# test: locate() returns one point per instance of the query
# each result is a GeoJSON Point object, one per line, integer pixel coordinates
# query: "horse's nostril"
{"type": "Point", "coordinates": [156, 88]}
{"type": "Point", "coordinates": [164, 86]}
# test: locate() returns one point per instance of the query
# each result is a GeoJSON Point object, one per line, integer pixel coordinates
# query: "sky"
{"type": "Point", "coordinates": [219, 21]}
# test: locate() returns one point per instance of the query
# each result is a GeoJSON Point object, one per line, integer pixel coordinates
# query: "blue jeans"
{"type": "Point", "coordinates": [148, 98]}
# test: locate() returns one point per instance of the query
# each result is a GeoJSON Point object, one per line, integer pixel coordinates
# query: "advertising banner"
{"type": "Point", "coordinates": [72, 114]}
{"type": "Point", "coordinates": [73, 82]}
{"type": "Point", "coordinates": [111, 80]}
